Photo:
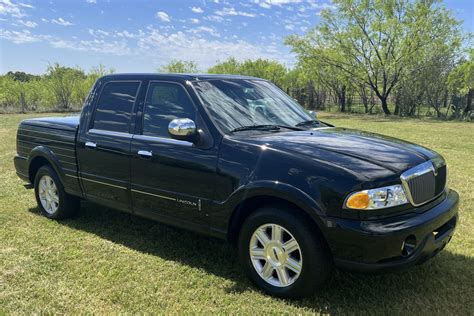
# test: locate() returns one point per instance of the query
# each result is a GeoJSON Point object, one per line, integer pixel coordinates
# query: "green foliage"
{"type": "Point", "coordinates": [62, 83]}
{"type": "Point", "coordinates": [180, 66]}
{"type": "Point", "coordinates": [231, 67]}
{"type": "Point", "coordinates": [261, 68]}
{"type": "Point", "coordinates": [379, 43]}
{"type": "Point", "coordinates": [21, 76]}
{"type": "Point", "coordinates": [22, 95]}
{"type": "Point", "coordinates": [61, 88]}
{"type": "Point", "coordinates": [461, 79]}
{"type": "Point", "coordinates": [84, 86]}
{"type": "Point", "coordinates": [268, 69]}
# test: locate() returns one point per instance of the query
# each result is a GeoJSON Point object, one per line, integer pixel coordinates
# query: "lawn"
{"type": "Point", "coordinates": [105, 261]}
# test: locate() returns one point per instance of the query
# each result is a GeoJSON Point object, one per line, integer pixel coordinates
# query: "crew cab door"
{"type": "Point", "coordinates": [171, 180]}
{"type": "Point", "coordinates": [103, 149]}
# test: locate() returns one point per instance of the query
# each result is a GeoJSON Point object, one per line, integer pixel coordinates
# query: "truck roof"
{"type": "Point", "coordinates": [174, 76]}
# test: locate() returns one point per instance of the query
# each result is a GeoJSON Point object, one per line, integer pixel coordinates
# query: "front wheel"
{"type": "Point", "coordinates": [52, 200]}
{"type": "Point", "coordinates": [283, 254]}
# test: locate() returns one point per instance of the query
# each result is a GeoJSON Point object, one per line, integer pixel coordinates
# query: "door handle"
{"type": "Point", "coordinates": [145, 153]}
{"type": "Point", "coordinates": [91, 145]}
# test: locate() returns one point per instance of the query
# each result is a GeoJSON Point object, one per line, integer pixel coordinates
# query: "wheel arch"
{"type": "Point", "coordinates": [39, 157]}
{"type": "Point", "coordinates": [292, 199]}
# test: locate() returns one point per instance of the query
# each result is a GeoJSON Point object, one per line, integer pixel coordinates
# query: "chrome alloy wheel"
{"type": "Point", "coordinates": [276, 255]}
{"type": "Point", "coordinates": [48, 194]}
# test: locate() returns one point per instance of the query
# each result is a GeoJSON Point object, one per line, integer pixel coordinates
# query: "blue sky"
{"type": "Point", "coordinates": [139, 36]}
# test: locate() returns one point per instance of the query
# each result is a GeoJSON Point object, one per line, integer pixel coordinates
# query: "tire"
{"type": "Point", "coordinates": [283, 258]}
{"type": "Point", "coordinates": [53, 201]}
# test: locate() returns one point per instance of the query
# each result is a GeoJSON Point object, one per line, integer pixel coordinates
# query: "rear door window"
{"type": "Point", "coordinates": [115, 106]}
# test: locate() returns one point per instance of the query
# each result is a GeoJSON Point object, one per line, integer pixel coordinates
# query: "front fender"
{"type": "Point", "coordinates": [278, 190]}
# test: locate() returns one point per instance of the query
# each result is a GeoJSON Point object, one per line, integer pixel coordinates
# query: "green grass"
{"type": "Point", "coordinates": [105, 261]}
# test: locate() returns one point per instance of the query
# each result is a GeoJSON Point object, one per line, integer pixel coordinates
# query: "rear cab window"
{"type": "Point", "coordinates": [115, 105]}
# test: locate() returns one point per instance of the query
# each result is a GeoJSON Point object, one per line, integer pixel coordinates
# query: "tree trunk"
{"type": "Point", "coordinates": [438, 112]}
{"type": "Point", "coordinates": [385, 105]}
{"type": "Point", "coordinates": [412, 111]}
{"type": "Point", "coordinates": [342, 99]}
{"type": "Point", "coordinates": [372, 102]}
{"type": "Point", "coordinates": [322, 99]}
{"type": "Point", "coordinates": [310, 96]}
{"type": "Point", "coordinates": [24, 107]}
{"type": "Point", "coordinates": [468, 107]}
{"type": "Point", "coordinates": [397, 108]}
{"type": "Point", "coordinates": [365, 100]}
{"type": "Point", "coordinates": [445, 98]}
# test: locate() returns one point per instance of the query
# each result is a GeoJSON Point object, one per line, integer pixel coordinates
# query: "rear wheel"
{"type": "Point", "coordinates": [52, 200]}
{"type": "Point", "coordinates": [283, 254]}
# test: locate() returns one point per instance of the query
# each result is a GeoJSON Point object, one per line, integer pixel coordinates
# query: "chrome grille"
{"type": "Point", "coordinates": [425, 182]}
{"type": "Point", "coordinates": [441, 179]}
{"type": "Point", "coordinates": [422, 188]}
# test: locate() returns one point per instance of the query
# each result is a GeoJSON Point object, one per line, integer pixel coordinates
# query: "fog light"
{"type": "Point", "coordinates": [408, 246]}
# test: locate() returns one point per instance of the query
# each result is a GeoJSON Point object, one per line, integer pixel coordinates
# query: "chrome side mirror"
{"type": "Point", "coordinates": [313, 114]}
{"type": "Point", "coordinates": [183, 129]}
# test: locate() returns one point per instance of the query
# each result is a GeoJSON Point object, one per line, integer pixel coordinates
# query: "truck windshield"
{"type": "Point", "coordinates": [239, 104]}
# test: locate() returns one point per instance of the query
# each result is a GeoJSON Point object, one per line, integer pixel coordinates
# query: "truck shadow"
{"type": "Point", "coordinates": [347, 293]}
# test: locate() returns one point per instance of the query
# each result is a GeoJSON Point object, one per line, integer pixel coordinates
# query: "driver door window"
{"type": "Point", "coordinates": [164, 103]}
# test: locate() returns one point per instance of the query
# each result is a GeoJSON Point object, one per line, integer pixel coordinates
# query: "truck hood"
{"type": "Point", "coordinates": [390, 153]}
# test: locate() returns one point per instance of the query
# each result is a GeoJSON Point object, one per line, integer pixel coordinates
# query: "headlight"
{"type": "Point", "coordinates": [377, 198]}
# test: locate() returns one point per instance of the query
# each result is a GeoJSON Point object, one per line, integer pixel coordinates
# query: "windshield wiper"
{"type": "Point", "coordinates": [308, 123]}
{"type": "Point", "coordinates": [264, 127]}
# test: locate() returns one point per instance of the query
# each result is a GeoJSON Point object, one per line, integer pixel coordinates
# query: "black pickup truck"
{"type": "Point", "coordinates": [236, 158]}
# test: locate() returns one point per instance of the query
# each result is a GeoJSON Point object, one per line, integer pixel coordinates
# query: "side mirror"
{"type": "Point", "coordinates": [313, 114]}
{"type": "Point", "coordinates": [183, 129]}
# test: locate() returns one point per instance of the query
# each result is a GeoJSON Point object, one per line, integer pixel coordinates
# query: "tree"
{"type": "Point", "coordinates": [21, 76]}
{"type": "Point", "coordinates": [293, 84]}
{"type": "Point", "coordinates": [461, 82]}
{"type": "Point", "coordinates": [22, 95]}
{"type": "Point", "coordinates": [434, 81]}
{"type": "Point", "coordinates": [62, 82]}
{"type": "Point", "coordinates": [373, 41]}
{"type": "Point", "coordinates": [261, 68]}
{"type": "Point", "coordinates": [179, 66]}
{"type": "Point", "coordinates": [230, 66]}
{"type": "Point", "coordinates": [328, 77]}
{"type": "Point", "coordinates": [264, 68]}
{"type": "Point", "coordinates": [85, 85]}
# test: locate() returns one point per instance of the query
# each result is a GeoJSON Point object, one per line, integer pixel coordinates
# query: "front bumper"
{"type": "Point", "coordinates": [395, 242]}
